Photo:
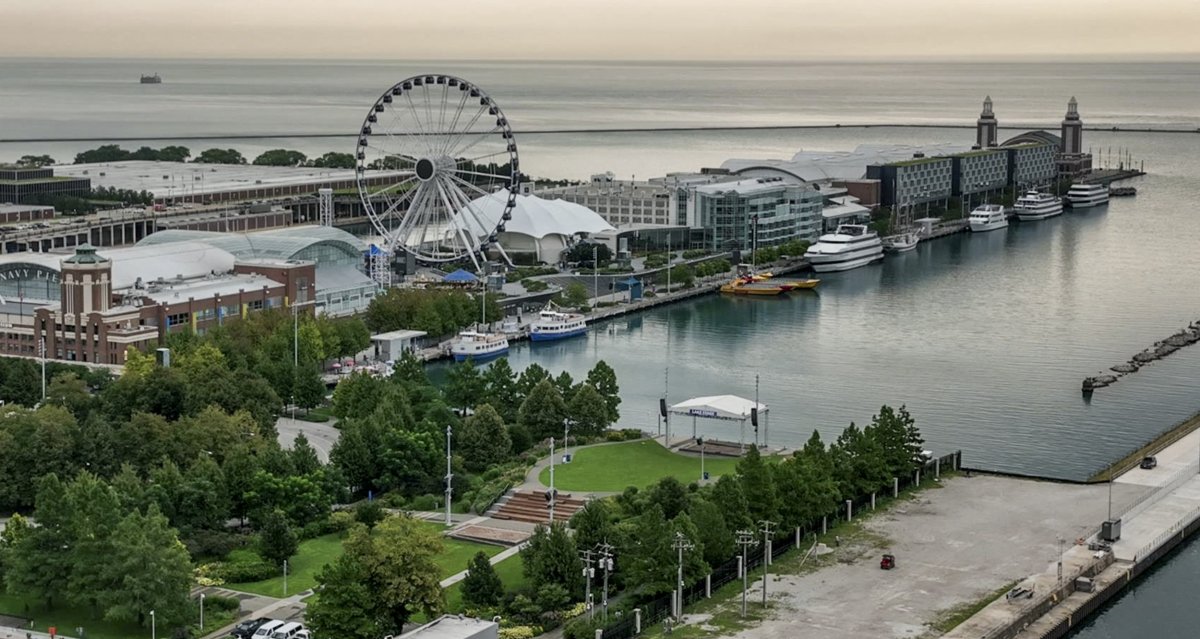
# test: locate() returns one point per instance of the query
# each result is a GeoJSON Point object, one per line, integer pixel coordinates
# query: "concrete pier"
{"type": "Point", "coordinates": [1151, 526]}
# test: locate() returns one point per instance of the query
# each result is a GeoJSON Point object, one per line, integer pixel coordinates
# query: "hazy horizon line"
{"type": "Point", "coordinates": [1072, 58]}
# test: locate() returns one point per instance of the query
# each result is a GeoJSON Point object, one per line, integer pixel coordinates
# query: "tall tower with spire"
{"type": "Point", "coordinates": [985, 126]}
{"type": "Point", "coordinates": [1072, 130]}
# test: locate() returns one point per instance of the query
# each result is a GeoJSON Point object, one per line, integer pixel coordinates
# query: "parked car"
{"type": "Point", "coordinates": [1149, 462]}
{"type": "Point", "coordinates": [245, 629]}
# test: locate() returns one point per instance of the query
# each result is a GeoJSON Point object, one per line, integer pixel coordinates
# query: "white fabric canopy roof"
{"type": "Point", "coordinates": [729, 407]}
{"type": "Point", "coordinates": [534, 216]}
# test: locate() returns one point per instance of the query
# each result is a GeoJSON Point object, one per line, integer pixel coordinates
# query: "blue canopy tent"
{"type": "Point", "coordinates": [633, 285]}
{"type": "Point", "coordinates": [461, 277]}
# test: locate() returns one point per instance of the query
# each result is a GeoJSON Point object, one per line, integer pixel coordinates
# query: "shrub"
{"type": "Point", "coordinates": [520, 632]}
{"type": "Point", "coordinates": [245, 569]}
{"type": "Point", "coordinates": [221, 603]}
{"type": "Point", "coordinates": [535, 286]}
{"type": "Point", "coordinates": [341, 520]}
{"type": "Point", "coordinates": [369, 513]}
{"type": "Point", "coordinates": [424, 502]}
{"type": "Point", "coordinates": [214, 544]}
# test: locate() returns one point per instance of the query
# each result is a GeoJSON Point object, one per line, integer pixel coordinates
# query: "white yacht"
{"type": "Point", "coordinates": [851, 246]}
{"type": "Point", "coordinates": [1082, 196]}
{"type": "Point", "coordinates": [988, 217]}
{"type": "Point", "coordinates": [1035, 205]}
{"type": "Point", "coordinates": [478, 346]}
{"type": "Point", "coordinates": [552, 325]}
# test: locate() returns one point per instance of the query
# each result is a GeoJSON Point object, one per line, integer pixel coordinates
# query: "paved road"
{"type": "Point", "coordinates": [322, 437]}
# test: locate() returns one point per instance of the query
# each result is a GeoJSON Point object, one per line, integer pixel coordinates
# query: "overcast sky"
{"type": "Point", "coordinates": [598, 29]}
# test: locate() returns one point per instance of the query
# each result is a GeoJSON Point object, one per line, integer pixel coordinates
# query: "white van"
{"type": "Point", "coordinates": [264, 631]}
{"type": "Point", "coordinates": [287, 631]}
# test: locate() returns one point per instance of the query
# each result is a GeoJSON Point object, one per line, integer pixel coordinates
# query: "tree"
{"type": "Point", "coordinates": [280, 157]}
{"type": "Point", "coordinates": [464, 386]}
{"type": "Point", "coordinates": [669, 495]}
{"type": "Point", "coordinates": [712, 534]}
{"type": "Point", "coordinates": [309, 389]}
{"type": "Point", "coordinates": [304, 457]}
{"type": "Point", "coordinates": [604, 379]}
{"type": "Point", "coordinates": [335, 160]}
{"type": "Point", "coordinates": [647, 566]}
{"type": "Point", "coordinates": [483, 440]}
{"type": "Point", "coordinates": [344, 605]}
{"type": "Point", "coordinates": [481, 587]}
{"type": "Point", "coordinates": [38, 568]}
{"type": "Point", "coordinates": [356, 395]}
{"type": "Point", "coordinates": [501, 389]}
{"type": "Point", "coordinates": [731, 499]}
{"type": "Point", "coordinates": [94, 516]}
{"type": "Point", "coordinates": [530, 377]}
{"type": "Point", "coordinates": [35, 161]}
{"type": "Point", "coordinates": [575, 295]}
{"type": "Point", "coordinates": [401, 572]}
{"type": "Point", "coordinates": [593, 524]}
{"type": "Point", "coordinates": [583, 252]}
{"type": "Point", "coordinates": [277, 542]}
{"type": "Point", "coordinates": [150, 570]}
{"type": "Point", "coordinates": [588, 412]}
{"type": "Point", "coordinates": [14, 531]}
{"type": "Point", "coordinates": [758, 487]}
{"type": "Point", "coordinates": [220, 156]}
{"type": "Point", "coordinates": [543, 411]}
{"type": "Point", "coordinates": [549, 558]}
{"type": "Point", "coordinates": [103, 153]}
{"type": "Point", "coordinates": [174, 154]}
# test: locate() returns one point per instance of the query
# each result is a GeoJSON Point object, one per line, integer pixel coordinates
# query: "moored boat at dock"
{"type": "Point", "coordinates": [1083, 196]}
{"type": "Point", "coordinates": [988, 217]}
{"type": "Point", "coordinates": [478, 346]}
{"type": "Point", "coordinates": [900, 243]}
{"type": "Point", "coordinates": [554, 325]}
{"type": "Point", "coordinates": [850, 246]}
{"type": "Point", "coordinates": [1036, 205]}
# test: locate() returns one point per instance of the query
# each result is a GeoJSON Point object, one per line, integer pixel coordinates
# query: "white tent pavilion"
{"type": "Point", "coordinates": [723, 407]}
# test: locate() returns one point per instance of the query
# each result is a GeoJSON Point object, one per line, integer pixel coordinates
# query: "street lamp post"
{"type": "Point", "coordinates": [449, 477]}
{"type": "Point", "coordinates": [700, 441]}
{"type": "Point", "coordinates": [201, 612]}
{"type": "Point", "coordinates": [296, 351]}
{"type": "Point", "coordinates": [284, 577]}
{"type": "Point", "coordinates": [153, 626]}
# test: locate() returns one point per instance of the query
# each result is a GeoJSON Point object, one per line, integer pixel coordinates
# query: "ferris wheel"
{"type": "Point", "coordinates": [432, 151]}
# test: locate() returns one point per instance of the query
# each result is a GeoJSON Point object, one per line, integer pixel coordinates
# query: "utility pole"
{"type": "Point", "coordinates": [766, 531]}
{"type": "Point", "coordinates": [284, 577]}
{"type": "Point", "coordinates": [449, 477]}
{"type": "Point", "coordinates": [589, 573]}
{"type": "Point", "coordinates": [745, 539]}
{"type": "Point", "coordinates": [606, 562]}
{"type": "Point", "coordinates": [681, 544]}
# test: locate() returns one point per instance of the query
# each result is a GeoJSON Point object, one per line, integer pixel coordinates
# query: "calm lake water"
{"type": "Point", "coordinates": [985, 337]}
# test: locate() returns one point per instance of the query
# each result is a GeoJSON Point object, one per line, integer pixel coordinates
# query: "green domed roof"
{"type": "Point", "coordinates": [85, 254]}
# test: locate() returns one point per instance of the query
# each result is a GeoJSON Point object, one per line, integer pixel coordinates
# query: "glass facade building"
{"type": "Point", "coordinates": [782, 211]}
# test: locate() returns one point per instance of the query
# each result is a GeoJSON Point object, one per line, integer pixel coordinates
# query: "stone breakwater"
{"type": "Point", "coordinates": [1159, 350]}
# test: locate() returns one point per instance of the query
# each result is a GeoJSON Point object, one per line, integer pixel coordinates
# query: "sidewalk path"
{"type": "Point", "coordinates": [497, 558]}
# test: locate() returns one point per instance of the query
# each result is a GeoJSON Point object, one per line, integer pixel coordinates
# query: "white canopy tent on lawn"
{"type": "Point", "coordinates": [724, 407]}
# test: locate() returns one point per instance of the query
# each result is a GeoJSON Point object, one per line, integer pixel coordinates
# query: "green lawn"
{"type": "Point", "coordinates": [640, 463]}
{"type": "Point", "coordinates": [67, 619]}
{"type": "Point", "coordinates": [314, 554]}
{"type": "Point", "coordinates": [456, 553]}
{"type": "Point", "coordinates": [310, 558]}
